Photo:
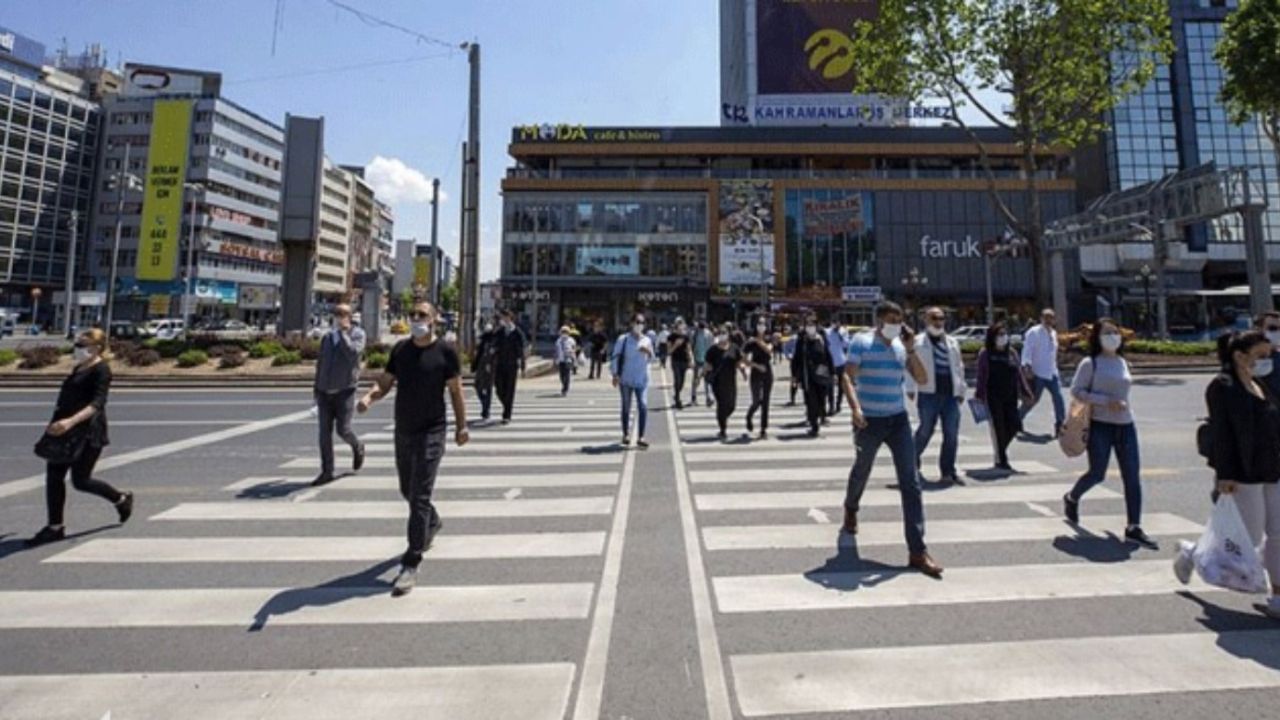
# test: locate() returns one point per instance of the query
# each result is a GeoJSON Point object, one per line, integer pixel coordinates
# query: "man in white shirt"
{"type": "Point", "coordinates": [1040, 360]}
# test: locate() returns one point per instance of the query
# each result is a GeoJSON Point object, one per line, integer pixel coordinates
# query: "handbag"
{"type": "Point", "coordinates": [1074, 440]}
{"type": "Point", "coordinates": [979, 410]}
{"type": "Point", "coordinates": [63, 449]}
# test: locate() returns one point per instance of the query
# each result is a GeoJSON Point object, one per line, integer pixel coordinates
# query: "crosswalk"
{"type": "Point", "coordinates": [804, 619]}
{"type": "Point", "coordinates": [552, 489]}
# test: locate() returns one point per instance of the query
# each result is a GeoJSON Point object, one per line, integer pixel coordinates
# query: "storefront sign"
{"type": "Point", "coordinates": [527, 295]}
{"type": "Point", "coordinates": [230, 215]}
{"type": "Point", "coordinates": [222, 292]}
{"type": "Point", "coordinates": [162, 198]}
{"type": "Point", "coordinates": [608, 261]}
{"type": "Point", "coordinates": [650, 297]}
{"type": "Point", "coordinates": [248, 252]}
{"type": "Point", "coordinates": [746, 232]}
{"type": "Point", "coordinates": [832, 217]}
{"type": "Point", "coordinates": [862, 294]}
{"type": "Point", "coordinates": [157, 305]}
{"type": "Point", "coordinates": [566, 133]}
{"type": "Point", "coordinates": [950, 249]}
{"type": "Point", "coordinates": [258, 297]}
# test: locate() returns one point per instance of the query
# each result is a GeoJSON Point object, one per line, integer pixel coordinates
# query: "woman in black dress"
{"type": "Point", "coordinates": [759, 357]}
{"type": "Point", "coordinates": [1000, 385]}
{"type": "Point", "coordinates": [724, 361]}
{"type": "Point", "coordinates": [81, 409]}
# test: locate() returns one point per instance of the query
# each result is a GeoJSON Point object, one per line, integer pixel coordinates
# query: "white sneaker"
{"type": "Point", "coordinates": [1183, 563]}
{"type": "Point", "coordinates": [404, 582]}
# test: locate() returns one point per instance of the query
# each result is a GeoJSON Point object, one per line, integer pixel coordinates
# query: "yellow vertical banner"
{"type": "Point", "coordinates": [162, 199]}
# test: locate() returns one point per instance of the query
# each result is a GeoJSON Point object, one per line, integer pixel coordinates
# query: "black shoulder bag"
{"type": "Point", "coordinates": [66, 448]}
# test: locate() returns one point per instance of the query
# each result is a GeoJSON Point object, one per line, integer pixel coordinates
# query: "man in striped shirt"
{"type": "Point", "coordinates": [873, 383]}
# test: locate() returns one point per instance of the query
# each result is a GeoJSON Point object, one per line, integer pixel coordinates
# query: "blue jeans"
{"type": "Point", "coordinates": [1054, 386]}
{"type": "Point", "coordinates": [641, 395]}
{"type": "Point", "coordinates": [1103, 438]}
{"type": "Point", "coordinates": [895, 432]}
{"type": "Point", "coordinates": [933, 407]}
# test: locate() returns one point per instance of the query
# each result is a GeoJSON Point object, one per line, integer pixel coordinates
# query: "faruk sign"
{"type": "Point", "coordinates": [950, 249]}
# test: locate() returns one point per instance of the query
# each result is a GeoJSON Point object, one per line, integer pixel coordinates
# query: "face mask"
{"type": "Point", "coordinates": [935, 331]}
{"type": "Point", "coordinates": [1111, 342]}
{"type": "Point", "coordinates": [1002, 341]}
{"type": "Point", "coordinates": [81, 354]}
{"type": "Point", "coordinates": [1273, 337]}
{"type": "Point", "coordinates": [420, 329]}
{"type": "Point", "coordinates": [1262, 368]}
{"type": "Point", "coordinates": [812, 330]}
{"type": "Point", "coordinates": [488, 327]}
{"type": "Point", "coordinates": [762, 328]}
{"type": "Point", "coordinates": [638, 328]}
{"type": "Point", "coordinates": [891, 331]}
{"type": "Point", "coordinates": [722, 339]}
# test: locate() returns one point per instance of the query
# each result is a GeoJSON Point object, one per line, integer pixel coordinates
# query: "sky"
{"type": "Point", "coordinates": [396, 104]}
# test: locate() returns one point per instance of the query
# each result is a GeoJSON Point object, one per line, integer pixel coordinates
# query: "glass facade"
{"type": "Point", "coordinates": [1144, 142]}
{"type": "Point", "coordinates": [830, 238]}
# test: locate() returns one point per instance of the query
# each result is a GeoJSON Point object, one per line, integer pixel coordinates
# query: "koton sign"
{"type": "Point", "coordinates": [248, 252]}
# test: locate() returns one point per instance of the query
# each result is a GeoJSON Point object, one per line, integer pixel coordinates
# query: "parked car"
{"type": "Point", "coordinates": [126, 330]}
{"type": "Point", "coordinates": [164, 329]}
{"type": "Point", "coordinates": [969, 333]}
{"type": "Point", "coordinates": [234, 330]}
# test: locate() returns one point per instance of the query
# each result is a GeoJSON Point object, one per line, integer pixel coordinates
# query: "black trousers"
{"type": "Point", "coordinates": [504, 382]}
{"type": "Point", "coordinates": [597, 365]}
{"type": "Point", "coordinates": [761, 389]}
{"type": "Point", "coordinates": [55, 486]}
{"type": "Point", "coordinates": [418, 458]}
{"type": "Point", "coordinates": [680, 369]}
{"type": "Point", "coordinates": [335, 409]}
{"type": "Point", "coordinates": [815, 404]}
{"type": "Point", "coordinates": [726, 403]}
{"type": "Point", "coordinates": [1006, 423]}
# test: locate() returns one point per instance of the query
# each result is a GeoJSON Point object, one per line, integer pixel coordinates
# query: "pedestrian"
{"type": "Point", "coordinates": [76, 437]}
{"type": "Point", "coordinates": [484, 367]}
{"type": "Point", "coordinates": [811, 370]}
{"type": "Point", "coordinates": [1001, 384]}
{"type": "Point", "coordinates": [663, 336]}
{"type": "Point", "coordinates": [509, 363]}
{"type": "Point", "coordinates": [724, 362]}
{"type": "Point", "coordinates": [1244, 425]}
{"type": "Point", "coordinates": [759, 357]}
{"type": "Point", "coordinates": [632, 353]}
{"type": "Point", "coordinates": [873, 383]}
{"type": "Point", "coordinates": [681, 357]}
{"type": "Point", "coordinates": [702, 341]}
{"type": "Point", "coordinates": [337, 375]}
{"type": "Point", "coordinates": [837, 341]}
{"type": "Point", "coordinates": [776, 341]}
{"type": "Point", "coordinates": [1103, 381]}
{"type": "Point", "coordinates": [789, 352]}
{"type": "Point", "coordinates": [566, 358]}
{"type": "Point", "coordinates": [1269, 324]}
{"type": "Point", "coordinates": [940, 396]}
{"type": "Point", "coordinates": [1040, 360]}
{"type": "Point", "coordinates": [422, 369]}
{"type": "Point", "coordinates": [599, 350]}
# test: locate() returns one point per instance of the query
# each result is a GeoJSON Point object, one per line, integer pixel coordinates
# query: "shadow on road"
{"type": "Point", "coordinates": [610, 449]}
{"type": "Point", "coordinates": [16, 545]}
{"type": "Point", "coordinates": [1108, 548]}
{"type": "Point", "coordinates": [1031, 439]}
{"type": "Point", "coordinates": [1158, 381]}
{"type": "Point", "coordinates": [990, 474]}
{"type": "Point", "coordinates": [847, 571]}
{"type": "Point", "coordinates": [347, 587]}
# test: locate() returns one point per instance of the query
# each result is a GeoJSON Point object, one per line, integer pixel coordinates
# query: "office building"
{"type": "Point", "coordinates": [330, 284]}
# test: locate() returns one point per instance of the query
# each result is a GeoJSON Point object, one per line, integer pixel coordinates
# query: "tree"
{"type": "Point", "coordinates": [1250, 58]}
{"type": "Point", "coordinates": [1062, 65]}
{"type": "Point", "coordinates": [449, 295]}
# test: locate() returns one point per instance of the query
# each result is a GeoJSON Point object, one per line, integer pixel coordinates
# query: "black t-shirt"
{"type": "Point", "coordinates": [422, 374]}
{"type": "Point", "coordinates": [724, 365]}
{"type": "Point", "coordinates": [682, 353]}
{"type": "Point", "coordinates": [758, 353]}
{"type": "Point", "coordinates": [81, 389]}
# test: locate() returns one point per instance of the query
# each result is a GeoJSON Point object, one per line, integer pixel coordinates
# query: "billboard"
{"type": "Point", "coordinates": [152, 80]}
{"type": "Point", "coordinates": [608, 261]}
{"type": "Point", "coordinates": [162, 197]}
{"type": "Point", "coordinates": [803, 45]}
{"type": "Point", "coordinates": [746, 232]}
{"type": "Point", "coordinates": [832, 217]}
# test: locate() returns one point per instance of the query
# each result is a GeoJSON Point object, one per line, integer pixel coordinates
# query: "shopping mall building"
{"type": "Point", "coordinates": [691, 222]}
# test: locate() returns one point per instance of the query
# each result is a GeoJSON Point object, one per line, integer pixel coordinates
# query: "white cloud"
{"type": "Point", "coordinates": [397, 183]}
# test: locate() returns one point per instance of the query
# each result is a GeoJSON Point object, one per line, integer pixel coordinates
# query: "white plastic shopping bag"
{"type": "Point", "coordinates": [1224, 555]}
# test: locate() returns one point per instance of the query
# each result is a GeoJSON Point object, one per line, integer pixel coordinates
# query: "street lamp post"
{"type": "Point", "coordinates": [122, 183]}
{"type": "Point", "coordinates": [35, 305]}
{"type": "Point", "coordinates": [1144, 277]}
{"type": "Point", "coordinates": [912, 282]}
{"type": "Point", "coordinates": [70, 281]}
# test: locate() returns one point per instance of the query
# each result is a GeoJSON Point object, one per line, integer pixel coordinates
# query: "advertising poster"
{"type": "Point", "coordinates": [802, 46]}
{"type": "Point", "coordinates": [258, 297]}
{"type": "Point", "coordinates": [833, 217]}
{"type": "Point", "coordinates": [162, 197]}
{"type": "Point", "coordinates": [746, 232]}
{"type": "Point", "coordinates": [608, 261]}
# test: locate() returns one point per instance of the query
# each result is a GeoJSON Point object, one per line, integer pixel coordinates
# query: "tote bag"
{"type": "Point", "coordinates": [1074, 440]}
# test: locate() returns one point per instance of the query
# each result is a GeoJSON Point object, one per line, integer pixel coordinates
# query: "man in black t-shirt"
{"type": "Point", "coordinates": [421, 368]}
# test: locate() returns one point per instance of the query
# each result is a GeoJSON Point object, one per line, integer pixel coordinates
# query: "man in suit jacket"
{"type": "Point", "coordinates": [337, 375]}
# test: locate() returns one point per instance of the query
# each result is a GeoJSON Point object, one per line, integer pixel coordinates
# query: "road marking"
{"type": "Point", "coordinates": [774, 537]}
{"type": "Point", "coordinates": [880, 497]}
{"type": "Point", "coordinates": [451, 481]}
{"type": "Point", "coordinates": [833, 473]}
{"type": "Point", "coordinates": [512, 494]}
{"type": "Point", "coordinates": [388, 510]}
{"type": "Point", "coordinates": [818, 516]}
{"type": "Point", "coordinates": [595, 662]}
{"type": "Point", "coordinates": [1042, 510]}
{"type": "Point", "coordinates": [527, 692]}
{"type": "Point", "coordinates": [150, 453]}
{"type": "Point", "coordinates": [893, 588]}
{"type": "Point", "coordinates": [715, 685]}
{"type": "Point", "coordinates": [138, 423]}
{"type": "Point", "coordinates": [839, 681]}
{"type": "Point", "coordinates": [456, 460]}
{"type": "Point", "coordinates": [291, 606]}
{"type": "Point", "coordinates": [330, 549]}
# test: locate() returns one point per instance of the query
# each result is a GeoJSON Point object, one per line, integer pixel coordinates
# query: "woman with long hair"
{"type": "Point", "coordinates": [80, 420]}
{"type": "Point", "coordinates": [758, 354]}
{"type": "Point", "coordinates": [1000, 385]}
{"type": "Point", "coordinates": [1103, 381]}
{"type": "Point", "coordinates": [724, 362]}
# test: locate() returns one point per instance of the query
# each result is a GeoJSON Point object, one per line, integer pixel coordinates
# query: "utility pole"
{"type": "Point", "coordinates": [71, 276]}
{"type": "Point", "coordinates": [471, 207]}
{"type": "Point", "coordinates": [191, 255]}
{"type": "Point", "coordinates": [122, 183]}
{"type": "Point", "coordinates": [434, 292]}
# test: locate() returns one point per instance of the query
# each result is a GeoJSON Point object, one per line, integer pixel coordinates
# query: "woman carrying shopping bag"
{"type": "Point", "coordinates": [1102, 381]}
{"type": "Point", "coordinates": [1001, 384]}
{"type": "Point", "coordinates": [566, 358]}
{"type": "Point", "coordinates": [76, 437]}
{"type": "Point", "coordinates": [1244, 424]}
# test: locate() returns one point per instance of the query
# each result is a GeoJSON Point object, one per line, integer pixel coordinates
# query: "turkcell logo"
{"type": "Point", "coordinates": [967, 248]}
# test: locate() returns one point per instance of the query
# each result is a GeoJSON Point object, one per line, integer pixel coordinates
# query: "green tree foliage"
{"type": "Point", "coordinates": [1061, 65]}
{"type": "Point", "coordinates": [450, 294]}
{"type": "Point", "coordinates": [1250, 58]}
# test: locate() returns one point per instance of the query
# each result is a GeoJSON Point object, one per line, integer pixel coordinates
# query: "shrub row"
{"type": "Point", "coordinates": [7, 357]}
{"type": "Point", "coordinates": [41, 356]}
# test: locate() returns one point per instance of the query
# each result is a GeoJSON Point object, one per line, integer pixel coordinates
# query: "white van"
{"type": "Point", "coordinates": [164, 328]}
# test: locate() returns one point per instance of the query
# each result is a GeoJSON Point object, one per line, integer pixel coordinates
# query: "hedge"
{"type": "Point", "coordinates": [7, 357]}
{"type": "Point", "coordinates": [376, 360]}
{"type": "Point", "coordinates": [287, 357]}
{"type": "Point", "coordinates": [265, 349]}
{"type": "Point", "coordinates": [193, 358]}
{"type": "Point", "coordinates": [231, 360]}
{"type": "Point", "coordinates": [1169, 347]}
{"type": "Point", "coordinates": [41, 356]}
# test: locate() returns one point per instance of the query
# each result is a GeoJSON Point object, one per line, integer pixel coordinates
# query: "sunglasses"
{"type": "Point", "coordinates": [1272, 328]}
{"type": "Point", "coordinates": [420, 316]}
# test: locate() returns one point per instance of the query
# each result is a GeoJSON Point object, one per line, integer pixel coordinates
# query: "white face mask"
{"type": "Point", "coordinates": [1273, 337]}
{"type": "Point", "coordinates": [1111, 342]}
{"type": "Point", "coordinates": [1002, 341]}
{"type": "Point", "coordinates": [488, 327]}
{"type": "Point", "coordinates": [80, 354]}
{"type": "Point", "coordinates": [638, 328]}
{"type": "Point", "coordinates": [762, 328]}
{"type": "Point", "coordinates": [935, 331]}
{"type": "Point", "coordinates": [420, 329]}
{"type": "Point", "coordinates": [1263, 367]}
{"type": "Point", "coordinates": [722, 339]}
{"type": "Point", "coordinates": [891, 331]}
{"type": "Point", "coordinates": [812, 330]}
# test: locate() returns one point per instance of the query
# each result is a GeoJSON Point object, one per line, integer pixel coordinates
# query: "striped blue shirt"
{"type": "Point", "coordinates": [881, 371]}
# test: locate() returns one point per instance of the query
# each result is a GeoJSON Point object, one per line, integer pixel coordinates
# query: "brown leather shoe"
{"type": "Point", "coordinates": [850, 522]}
{"type": "Point", "coordinates": [926, 565]}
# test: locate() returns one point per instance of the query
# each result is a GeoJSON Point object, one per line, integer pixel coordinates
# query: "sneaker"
{"type": "Point", "coordinates": [46, 535]}
{"type": "Point", "coordinates": [1133, 533]}
{"type": "Point", "coordinates": [1270, 608]}
{"type": "Point", "coordinates": [625, 442]}
{"type": "Point", "coordinates": [722, 435]}
{"type": "Point", "coordinates": [404, 582]}
{"type": "Point", "coordinates": [764, 434]}
{"type": "Point", "coordinates": [357, 459]}
{"type": "Point", "coordinates": [506, 421]}
{"type": "Point", "coordinates": [124, 508]}
{"type": "Point", "coordinates": [1071, 509]}
{"type": "Point", "coordinates": [813, 432]}
{"type": "Point", "coordinates": [679, 405]}
{"type": "Point", "coordinates": [751, 427]}
{"type": "Point", "coordinates": [642, 444]}
{"type": "Point", "coordinates": [1183, 562]}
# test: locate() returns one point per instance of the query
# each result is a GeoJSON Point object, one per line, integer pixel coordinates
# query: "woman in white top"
{"type": "Point", "coordinates": [566, 358]}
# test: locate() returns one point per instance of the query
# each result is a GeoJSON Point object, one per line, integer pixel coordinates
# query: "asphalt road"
{"type": "Point", "coordinates": [576, 579]}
